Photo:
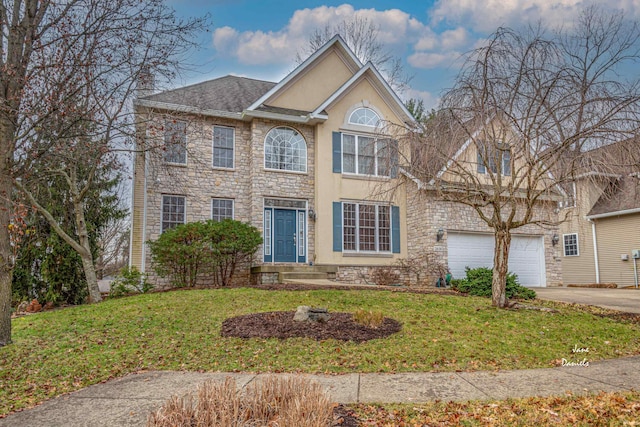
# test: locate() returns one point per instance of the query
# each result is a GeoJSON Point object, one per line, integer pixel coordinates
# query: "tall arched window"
{"type": "Point", "coordinates": [285, 149]}
{"type": "Point", "coordinates": [364, 116]}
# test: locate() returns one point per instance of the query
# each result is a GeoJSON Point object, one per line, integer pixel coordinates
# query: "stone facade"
{"type": "Point", "coordinates": [429, 214]}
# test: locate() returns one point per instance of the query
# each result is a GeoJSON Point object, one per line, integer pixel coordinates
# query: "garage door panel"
{"type": "Point", "coordinates": [526, 256]}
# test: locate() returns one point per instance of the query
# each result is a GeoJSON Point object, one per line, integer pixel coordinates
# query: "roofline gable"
{"type": "Point", "coordinates": [399, 107]}
{"type": "Point", "coordinates": [335, 41]}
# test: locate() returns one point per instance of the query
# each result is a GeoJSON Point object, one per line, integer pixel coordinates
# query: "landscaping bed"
{"type": "Point", "coordinates": [280, 324]}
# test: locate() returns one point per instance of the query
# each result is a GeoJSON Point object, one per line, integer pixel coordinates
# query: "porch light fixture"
{"type": "Point", "coordinates": [555, 239]}
{"type": "Point", "coordinates": [312, 215]}
{"type": "Point", "coordinates": [439, 234]}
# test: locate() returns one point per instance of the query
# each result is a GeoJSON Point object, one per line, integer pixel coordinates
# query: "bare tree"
{"type": "Point", "coordinates": [362, 37]}
{"type": "Point", "coordinates": [524, 111]}
{"type": "Point", "coordinates": [68, 70]}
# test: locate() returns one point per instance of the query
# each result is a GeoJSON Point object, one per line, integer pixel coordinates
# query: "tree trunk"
{"type": "Point", "coordinates": [6, 255]}
{"type": "Point", "coordinates": [500, 268]}
{"type": "Point", "coordinates": [85, 254]}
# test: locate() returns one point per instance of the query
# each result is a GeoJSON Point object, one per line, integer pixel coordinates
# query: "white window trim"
{"type": "Point", "coordinates": [486, 168]}
{"type": "Point", "coordinates": [357, 144]}
{"type": "Point", "coordinates": [186, 143]}
{"type": "Point", "coordinates": [213, 148]}
{"type": "Point", "coordinates": [233, 206]}
{"type": "Point", "coordinates": [363, 124]}
{"type": "Point", "coordinates": [377, 229]}
{"type": "Point", "coordinates": [306, 152]}
{"type": "Point", "coordinates": [564, 246]}
{"type": "Point", "coordinates": [162, 196]}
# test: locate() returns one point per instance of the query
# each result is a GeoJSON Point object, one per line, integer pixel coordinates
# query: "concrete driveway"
{"type": "Point", "coordinates": [622, 299]}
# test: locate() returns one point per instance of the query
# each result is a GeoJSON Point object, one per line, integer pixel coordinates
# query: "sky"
{"type": "Point", "coordinates": [260, 38]}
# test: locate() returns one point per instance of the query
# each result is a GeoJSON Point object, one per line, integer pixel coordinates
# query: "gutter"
{"type": "Point", "coordinates": [187, 109]}
{"type": "Point", "coordinates": [616, 213]}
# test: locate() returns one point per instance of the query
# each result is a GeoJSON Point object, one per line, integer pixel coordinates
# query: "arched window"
{"type": "Point", "coordinates": [364, 116]}
{"type": "Point", "coordinates": [285, 149]}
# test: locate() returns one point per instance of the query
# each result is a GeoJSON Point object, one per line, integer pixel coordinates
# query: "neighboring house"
{"type": "Point", "coordinates": [454, 232]}
{"type": "Point", "coordinates": [602, 225]}
{"type": "Point", "coordinates": [302, 160]}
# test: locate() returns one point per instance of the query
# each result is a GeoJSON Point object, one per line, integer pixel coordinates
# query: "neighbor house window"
{"type": "Point", "coordinates": [366, 228]}
{"type": "Point", "coordinates": [364, 155]}
{"type": "Point", "coordinates": [221, 209]}
{"type": "Point", "coordinates": [175, 141]}
{"type": "Point", "coordinates": [173, 211]}
{"type": "Point", "coordinates": [570, 244]}
{"type": "Point", "coordinates": [364, 116]}
{"type": "Point", "coordinates": [223, 138]}
{"type": "Point", "coordinates": [494, 155]}
{"type": "Point", "coordinates": [285, 149]}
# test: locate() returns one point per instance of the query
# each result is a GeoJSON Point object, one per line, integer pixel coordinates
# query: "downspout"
{"type": "Point", "coordinates": [143, 261]}
{"type": "Point", "coordinates": [595, 249]}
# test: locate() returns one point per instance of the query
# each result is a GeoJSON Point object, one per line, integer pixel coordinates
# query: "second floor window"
{"type": "Point", "coordinates": [175, 141]}
{"type": "Point", "coordinates": [364, 155]}
{"type": "Point", "coordinates": [285, 149]}
{"type": "Point", "coordinates": [492, 155]}
{"type": "Point", "coordinates": [223, 138]}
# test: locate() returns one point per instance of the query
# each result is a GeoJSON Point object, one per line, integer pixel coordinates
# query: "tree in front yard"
{"type": "Point", "coordinates": [527, 106]}
{"type": "Point", "coordinates": [68, 72]}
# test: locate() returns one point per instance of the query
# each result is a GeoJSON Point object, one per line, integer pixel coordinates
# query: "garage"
{"type": "Point", "coordinates": [526, 255]}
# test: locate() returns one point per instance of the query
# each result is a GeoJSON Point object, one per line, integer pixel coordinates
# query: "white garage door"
{"type": "Point", "coordinates": [526, 255]}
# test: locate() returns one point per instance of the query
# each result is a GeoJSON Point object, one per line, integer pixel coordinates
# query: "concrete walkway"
{"type": "Point", "coordinates": [621, 299]}
{"type": "Point", "coordinates": [127, 401]}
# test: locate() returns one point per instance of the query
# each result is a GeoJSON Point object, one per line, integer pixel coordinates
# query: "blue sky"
{"type": "Point", "coordinates": [259, 39]}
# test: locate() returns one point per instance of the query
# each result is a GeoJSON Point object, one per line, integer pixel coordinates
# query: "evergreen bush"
{"type": "Point", "coordinates": [204, 250]}
{"type": "Point", "coordinates": [478, 281]}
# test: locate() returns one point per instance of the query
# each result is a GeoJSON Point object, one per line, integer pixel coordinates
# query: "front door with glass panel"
{"type": "Point", "coordinates": [285, 231]}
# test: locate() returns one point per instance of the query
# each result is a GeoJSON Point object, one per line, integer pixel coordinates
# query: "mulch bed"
{"type": "Point", "coordinates": [344, 417]}
{"type": "Point", "coordinates": [280, 324]}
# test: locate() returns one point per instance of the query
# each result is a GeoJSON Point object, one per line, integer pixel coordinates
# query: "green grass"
{"type": "Point", "coordinates": [60, 351]}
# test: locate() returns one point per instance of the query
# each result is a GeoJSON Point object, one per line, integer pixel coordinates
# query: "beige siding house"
{"type": "Point", "coordinates": [602, 229]}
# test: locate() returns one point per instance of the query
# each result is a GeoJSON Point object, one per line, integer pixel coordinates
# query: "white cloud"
{"type": "Point", "coordinates": [429, 60]}
{"type": "Point", "coordinates": [487, 16]}
{"type": "Point", "coordinates": [397, 30]}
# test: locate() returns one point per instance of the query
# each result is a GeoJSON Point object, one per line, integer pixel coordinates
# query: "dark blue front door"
{"type": "Point", "coordinates": [284, 235]}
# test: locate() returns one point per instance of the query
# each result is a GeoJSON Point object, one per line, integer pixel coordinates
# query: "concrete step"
{"type": "Point", "coordinates": [301, 275]}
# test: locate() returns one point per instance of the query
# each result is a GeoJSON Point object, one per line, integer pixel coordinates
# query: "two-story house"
{"type": "Point", "coordinates": [309, 162]}
{"type": "Point", "coordinates": [601, 226]}
{"type": "Point", "coordinates": [303, 160]}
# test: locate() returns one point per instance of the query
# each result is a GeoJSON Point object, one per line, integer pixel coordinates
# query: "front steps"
{"type": "Point", "coordinates": [270, 274]}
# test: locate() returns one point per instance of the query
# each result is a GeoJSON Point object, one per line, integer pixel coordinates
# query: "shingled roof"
{"type": "Point", "coordinates": [229, 93]}
{"type": "Point", "coordinates": [622, 195]}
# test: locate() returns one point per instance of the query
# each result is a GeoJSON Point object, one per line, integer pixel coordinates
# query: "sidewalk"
{"type": "Point", "coordinates": [127, 401]}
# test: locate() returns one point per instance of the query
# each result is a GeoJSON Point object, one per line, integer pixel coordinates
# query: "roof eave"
{"type": "Point", "coordinates": [186, 109]}
{"type": "Point", "coordinates": [615, 213]}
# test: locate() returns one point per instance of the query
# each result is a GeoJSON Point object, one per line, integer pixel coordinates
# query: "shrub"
{"type": "Point", "coordinates": [384, 276]}
{"type": "Point", "coordinates": [130, 280]}
{"type": "Point", "coordinates": [478, 281]}
{"type": "Point", "coordinates": [290, 400]}
{"type": "Point", "coordinates": [198, 250]}
{"type": "Point", "coordinates": [372, 319]}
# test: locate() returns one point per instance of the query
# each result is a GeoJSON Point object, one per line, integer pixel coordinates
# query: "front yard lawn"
{"type": "Point", "coordinates": [64, 350]}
